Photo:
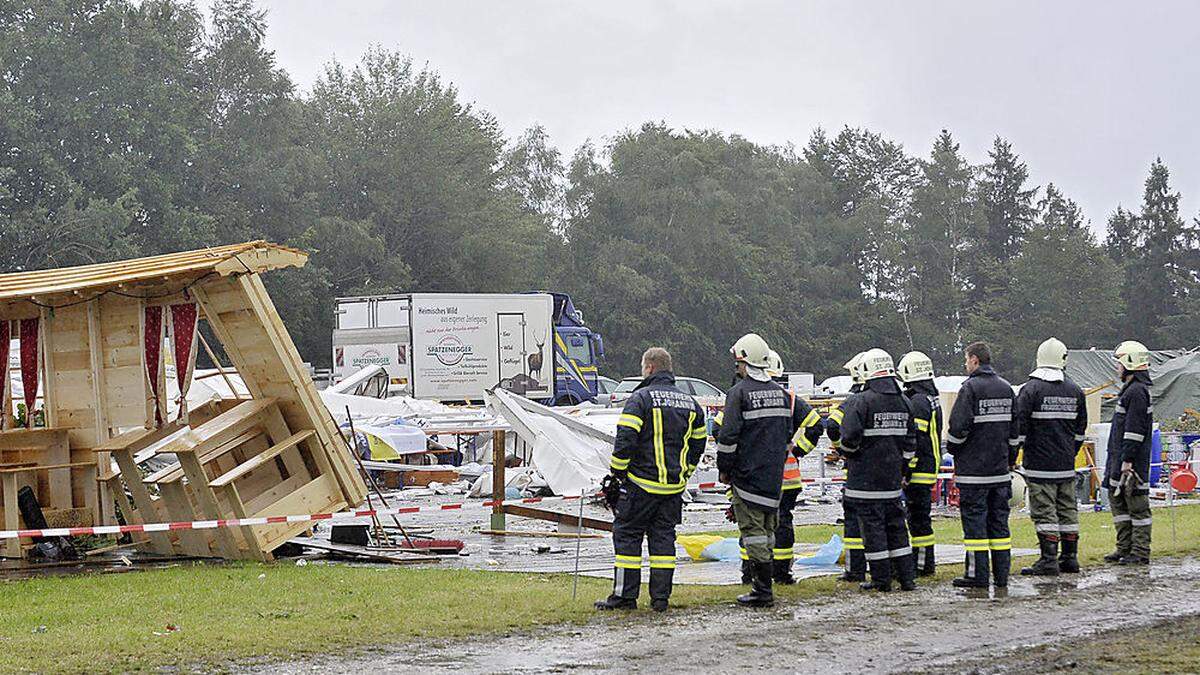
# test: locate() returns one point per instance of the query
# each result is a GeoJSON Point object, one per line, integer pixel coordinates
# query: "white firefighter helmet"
{"type": "Point", "coordinates": [1017, 500]}
{"type": "Point", "coordinates": [1133, 355]}
{"type": "Point", "coordinates": [1052, 354]}
{"type": "Point", "coordinates": [914, 367]}
{"type": "Point", "coordinates": [775, 364]}
{"type": "Point", "coordinates": [854, 366]}
{"type": "Point", "coordinates": [877, 363]}
{"type": "Point", "coordinates": [752, 350]}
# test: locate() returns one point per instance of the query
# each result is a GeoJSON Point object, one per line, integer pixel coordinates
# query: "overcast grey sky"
{"type": "Point", "coordinates": [1089, 93]}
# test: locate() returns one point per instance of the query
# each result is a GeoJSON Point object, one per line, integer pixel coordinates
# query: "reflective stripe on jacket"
{"type": "Point", "coordinates": [660, 436]}
{"type": "Point", "coordinates": [1051, 421]}
{"type": "Point", "coordinates": [756, 429]}
{"type": "Point", "coordinates": [928, 417]}
{"type": "Point", "coordinates": [982, 436]}
{"type": "Point", "coordinates": [879, 437]}
{"type": "Point", "coordinates": [1131, 433]}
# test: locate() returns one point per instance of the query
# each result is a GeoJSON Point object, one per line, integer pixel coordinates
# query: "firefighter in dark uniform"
{"type": "Point", "coordinates": [983, 440]}
{"type": "Point", "coordinates": [916, 372]}
{"type": "Point", "coordinates": [660, 437]}
{"type": "Point", "coordinates": [856, 564]}
{"type": "Point", "coordinates": [1127, 469]}
{"type": "Point", "coordinates": [806, 431]}
{"type": "Point", "coordinates": [879, 437]}
{"type": "Point", "coordinates": [755, 432]}
{"type": "Point", "coordinates": [1052, 424]}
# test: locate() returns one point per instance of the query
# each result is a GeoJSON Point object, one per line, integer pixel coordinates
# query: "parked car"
{"type": "Point", "coordinates": [604, 387]}
{"type": "Point", "coordinates": [708, 395]}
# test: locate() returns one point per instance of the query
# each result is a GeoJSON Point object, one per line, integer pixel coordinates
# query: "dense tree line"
{"type": "Point", "coordinates": [134, 128]}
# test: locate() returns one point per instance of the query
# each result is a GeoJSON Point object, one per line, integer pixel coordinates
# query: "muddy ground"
{"type": "Point", "coordinates": [934, 628]}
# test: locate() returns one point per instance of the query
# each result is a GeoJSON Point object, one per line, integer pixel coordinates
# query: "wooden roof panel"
{"type": "Point", "coordinates": [253, 256]}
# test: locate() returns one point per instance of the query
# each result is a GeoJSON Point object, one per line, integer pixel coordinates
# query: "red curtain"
{"type": "Point", "coordinates": [5, 341]}
{"type": "Point", "coordinates": [152, 334]}
{"type": "Point", "coordinates": [30, 335]}
{"type": "Point", "coordinates": [184, 319]}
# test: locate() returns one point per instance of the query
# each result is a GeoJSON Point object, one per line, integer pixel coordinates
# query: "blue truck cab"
{"type": "Point", "coordinates": [577, 353]}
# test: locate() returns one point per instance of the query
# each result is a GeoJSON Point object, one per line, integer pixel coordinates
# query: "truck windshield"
{"type": "Point", "coordinates": [579, 349]}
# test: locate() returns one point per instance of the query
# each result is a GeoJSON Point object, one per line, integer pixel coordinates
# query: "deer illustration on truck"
{"type": "Point", "coordinates": [535, 359]}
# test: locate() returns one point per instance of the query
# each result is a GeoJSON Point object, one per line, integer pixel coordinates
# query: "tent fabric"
{"type": "Point", "coordinates": [1176, 386]}
{"type": "Point", "coordinates": [1176, 376]}
{"type": "Point", "coordinates": [571, 460]}
{"type": "Point", "coordinates": [1090, 368]}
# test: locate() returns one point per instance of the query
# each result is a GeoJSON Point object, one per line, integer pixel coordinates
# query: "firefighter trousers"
{"type": "Point", "coordinates": [785, 532]}
{"type": "Point", "coordinates": [984, 510]}
{"type": "Point", "coordinates": [757, 528]}
{"type": "Point", "coordinates": [885, 538]}
{"type": "Point", "coordinates": [1131, 519]}
{"type": "Point", "coordinates": [1053, 509]}
{"type": "Point", "coordinates": [639, 515]}
{"type": "Point", "coordinates": [919, 503]}
{"type": "Point", "coordinates": [852, 539]}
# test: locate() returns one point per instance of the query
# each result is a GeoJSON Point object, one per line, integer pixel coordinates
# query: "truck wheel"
{"type": "Point", "coordinates": [569, 399]}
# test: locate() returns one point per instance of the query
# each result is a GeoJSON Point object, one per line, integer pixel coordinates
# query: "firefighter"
{"type": "Point", "coordinates": [879, 437]}
{"type": "Point", "coordinates": [1127, 469]}
{"type": "Point", "coordinates": [1052, 421]}
{"type": "Point", "coordinates": [752, 443]}
{"type": "Point", "coordinates": [856, 564]}
{"type": "Point", "coordinates": [807, 429]}
{"type": "Point", "coordinates": [660, 438]}
{"type": "Point", "coordinates": [916, 372]}
{"type": "Point", "coordinates": [983, 440]}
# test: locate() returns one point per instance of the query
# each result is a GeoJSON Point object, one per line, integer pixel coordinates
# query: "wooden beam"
{"type": "Point", "coordinates": [261, 459]}
{"type": "Point", "coordinates": [12, 516]}
{"type": "Point", "coordinates": [207, 501]}
{"type": "Point", "coordinates": [558, 517]}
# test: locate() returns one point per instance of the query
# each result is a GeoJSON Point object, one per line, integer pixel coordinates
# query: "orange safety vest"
{"type": "Point", "coordinates": [791, 465]}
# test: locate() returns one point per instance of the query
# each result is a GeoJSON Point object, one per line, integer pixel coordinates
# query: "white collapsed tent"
{"type": "Point", "coordinates": [570, 451]}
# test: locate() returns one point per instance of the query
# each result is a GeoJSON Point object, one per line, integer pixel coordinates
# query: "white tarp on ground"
{"type": "Point", "coordinates": [571, 454]}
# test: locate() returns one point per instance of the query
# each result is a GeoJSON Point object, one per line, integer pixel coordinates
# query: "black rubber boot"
{"type": "Point", "coordinates": [881, 576]}
{"type": "Point", "coordinates": [928, 566]}
{"type": "Point", "coordinates": [747, 572]}
{"type": "Point", "coordinates": [856, 566]}
{"type": "Point", "coordinates": [1068, 559]}
{"type": "Point", "coordinates": [615, 602]}
{"type": "Point", "coordinates": [1115, 556]}
{"type": "Point", "coordinates": [1047, 564]}
{"type": "Point", "coordinates": [659, 605]}
{"type": "Point", "coordinates": [1001, 562]}
{"type": "Point", "coordinates": [1133, 559]}
{"type": "Point", "coordinates": [760, 594]}
{"type": "Point", "coordinates": [906, 571]}
{"type": "Point", "coordinates": [977, 577]}
{"type": "Point", "coordinates": [782, 572]}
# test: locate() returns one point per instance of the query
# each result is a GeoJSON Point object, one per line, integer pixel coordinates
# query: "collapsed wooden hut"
{"type": "Point", "coordinates": [92, 343]}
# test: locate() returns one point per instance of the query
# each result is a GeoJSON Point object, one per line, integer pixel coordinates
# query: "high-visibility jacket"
{"type": "Point", "coordinates": [660, 436]}
{"type": "Point", "coordinates": [928, 416]}
{"type": "Point", "coordinates": [756, 429]}
{"type": "Point", "coordinates": [1051, 419]}
{"type": "Point", "coordinates": [878, 437]}
{"type": "Point", "coordinates": [807, 430]}
{"type": "Point", "coordinates": [1131, 433]}
{"type": "Point", "coordinates": [833, 423]}
{"type": "Point", "coordinates": [982, 436]}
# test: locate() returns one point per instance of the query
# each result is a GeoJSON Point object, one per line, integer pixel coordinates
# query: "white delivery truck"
{"type": "Point", "coordinates": [450, 347]}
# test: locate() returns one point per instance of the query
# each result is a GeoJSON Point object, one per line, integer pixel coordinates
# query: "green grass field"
{"type": "Point", "coordinates": [116, 622]}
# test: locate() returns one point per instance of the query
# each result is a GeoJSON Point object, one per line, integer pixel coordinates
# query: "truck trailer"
{"type": "Point", "coordinates": [455, 346]}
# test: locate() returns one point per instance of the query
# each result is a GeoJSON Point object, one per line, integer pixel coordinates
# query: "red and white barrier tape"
{"type": "Point", "coordinates": [306, 518]}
